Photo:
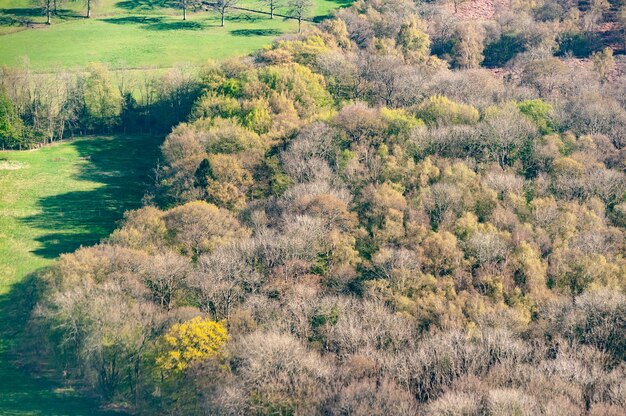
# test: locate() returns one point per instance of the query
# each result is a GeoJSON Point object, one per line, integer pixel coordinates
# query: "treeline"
{"type": "Point", "coordinates": [40, 108]}
{"type": "Point", "coordinates": [344, 225]}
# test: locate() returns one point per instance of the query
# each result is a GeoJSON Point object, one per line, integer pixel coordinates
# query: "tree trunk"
{"type": "Point", "coordinates": [184, 13]}
{"type": "Point", "coordinates": [48, 12]}
{"type": "Point", "coordinates": [223, 13]}
{"type": "Point", "coordinates": [88, 9]}
{"type": "Point", "coordinates": [272, 10]}
{"type": "Point", "coordinates": [299, 24]}
{"type": "Point", "coordinates": [55, 7]}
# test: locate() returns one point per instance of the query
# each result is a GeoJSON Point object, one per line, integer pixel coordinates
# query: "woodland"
{"type": "Point", "coordinates": [406, 209]}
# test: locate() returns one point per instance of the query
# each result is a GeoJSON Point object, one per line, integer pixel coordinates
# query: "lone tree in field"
{"type": "Point", "coordinates": [223, 6]}
{"type": "Point", "coordinates": [299, 9]}
{"type": "Point", "coordinates": [273, 5]}
{"type": "Point", "coordinates": [184, 5]}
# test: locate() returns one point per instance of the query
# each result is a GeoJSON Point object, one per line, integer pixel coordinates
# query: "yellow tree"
{"type": "Point", "coordinates": [196, 340]}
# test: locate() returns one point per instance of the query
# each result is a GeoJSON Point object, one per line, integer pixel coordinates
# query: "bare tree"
{"type": "Point", "coordinates": [46, 5]}
{"type": "Point", "coordinates": [184, 5]}
{"type": "Point", "coordinates": [223, 6]}
{"type": "Point", "coordinates": [89, 2]}
{"type": "Point", "coordinates": [273, 5]}
{"type": "Point", "coordinates": [299, 9]}
{"type": "Point", "coordinates": [56, 4]}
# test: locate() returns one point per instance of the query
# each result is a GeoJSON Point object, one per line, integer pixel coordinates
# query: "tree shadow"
{"type": "Point", "coordinates": [30, 385]}
{"type": "Point", "coordinates": [121, 166]}
{"type": "Point", "coordinates": [142, 5]}
{"type": "Point", "coordinates": [133, 20]}
{"type": "Point", "coordinates": [255, 32]}
{"type": "Point", "coordinates": [339, 4]}
{"type": "Point", "coordinates": [23, 12]}
{"type": "Point", "coordinates": [23, 16]}
{"type": "Point", "coordinates": [180, 25]}
{"type": "Point", "coordinates": [243, 17]}
{"type": "Point", "coordinates": [118, 171]}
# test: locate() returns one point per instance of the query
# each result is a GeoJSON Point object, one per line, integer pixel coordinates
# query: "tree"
{"type": "Point", "coordinates": [46, 5]}
{"type": "Point", "coordinates": [621, 17]}
{"type": "Point", "coordinates": [103, 101]}
{"type": "Point", "coordinates": [603, 63]}
{"type": "Point", "coordinates": [413, 40]}
{"type": "Point", "coordinates": [55, 5]}
{"type": "Point", "coordinates": [89, 2]}
{"type": "Point", "coordinates": [196, 340]}
{"type": "Point", "coordinates": [456, 4]}
{"type": "Point", "coordinates": [468, 45]}
{"type": "Point", "coordinates": [11, 125]}
{"type": "Point", "coordinates": [184, 5]}
{"type": "Point", "coordinates": [299, 9]}
{"type": "Point", "coordinates": [198, 227]}
{"type": "Point", "coordinates": [273, 5]}
{"type": "Point", "coordinates": [223, 6]}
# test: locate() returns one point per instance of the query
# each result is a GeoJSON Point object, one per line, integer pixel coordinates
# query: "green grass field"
{"type": "Point", "coordinates": [52, 201]}
{"type": "Point", "coordinates": [136, 34]}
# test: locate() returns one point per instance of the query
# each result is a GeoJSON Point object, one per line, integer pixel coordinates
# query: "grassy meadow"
{"type": "Point", "coordinates": [52, 201]}
{"type": "Point", "coordinates": [135, 34]}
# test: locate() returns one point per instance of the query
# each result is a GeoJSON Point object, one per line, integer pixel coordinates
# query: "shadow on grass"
{"type": "Point", "coordinates": [21, 393]}
{"type": "Point", "coordinates": [122, 167]}
{"type": "Point", "coordinates": [339, 4]}
{"type": "Point", "coordinates": [22, 12]}
{"type": "Point", "coordinates": [244, 17]}
{"type": "Point", "coordinates": [142, 5]}
{"type": "Point", "coordinates": [180, 25]}
{"type": "Point", "coordinates": [23, 16]}
{"type": "Point", "coordinates": [156, 23]}
{"type": "Point", "coordinates": [133, 20]}
{"type": "Point", "coordinates": [255, 32]}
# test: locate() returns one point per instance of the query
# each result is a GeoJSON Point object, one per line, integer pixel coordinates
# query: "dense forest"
{"type": "Point", "coordinates": [407, 210]}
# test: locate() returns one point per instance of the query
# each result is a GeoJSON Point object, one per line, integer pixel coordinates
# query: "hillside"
{"type": "Point", "coordinates": [404, 209]}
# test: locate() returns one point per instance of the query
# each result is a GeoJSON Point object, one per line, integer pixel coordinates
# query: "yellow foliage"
{"type": "Point", "coordinates": [439, 109]}
{"type": "Point", "coordinates": [196, 340]}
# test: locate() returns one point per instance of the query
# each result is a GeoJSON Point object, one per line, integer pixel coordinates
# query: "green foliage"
{"type": "Point", "coordinates": [501, 51]}
{"type": "Point", "coordinates": [300, 84]}
{"type": "Point", "coordinates": [413, 41]}
{"type": "Point", "coordinates": [211, 105]}
{"type": "Point", "coordinates": [11, 126]}
{"type": "Point", "coordinates": [257, 116]}
{"type": "Point", "coordinates": [103, 102]}
{"type": "Point", "coordinates": [539, 112]}
{"type": "Point", "coordinates": [399, 121]}
{"type": "Point", "coordinates": [578, 44]}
